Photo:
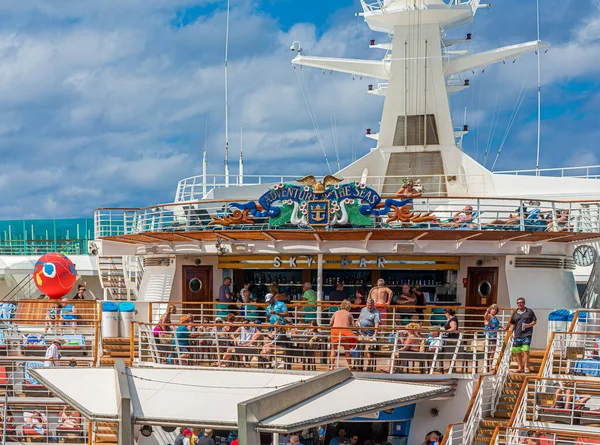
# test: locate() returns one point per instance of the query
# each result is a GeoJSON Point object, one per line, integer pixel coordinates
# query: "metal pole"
{"type": "Point", "coordinates": [539, 92]}
{"type": "Point", "coordinates": [5, 416]}
{"type": "Point", "coordinates": [319, 286]}
{"type": "Point", "coordinates": [226, 100]}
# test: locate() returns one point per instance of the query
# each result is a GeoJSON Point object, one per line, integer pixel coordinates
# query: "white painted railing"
{"type": "Point", "coordinates": [485, 400]}
{"type": "Point", "coordinates": [200, 187]}
{"type": "Point", "coordinates": [518, 436]}
{"type": "Point", "coordinates": [441, 213]}
{"type": "Point", "coordinates": [571, 353]}
{"type": "Point", "coordinates": [587, 172]}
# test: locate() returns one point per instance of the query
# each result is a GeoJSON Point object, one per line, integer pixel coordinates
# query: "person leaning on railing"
{"type": "Point", "coordinates": [491, 327]}
{"type": "Point", "coordinates": [277, 311]}
{"type": "Point", "coordinates": [342, 323]}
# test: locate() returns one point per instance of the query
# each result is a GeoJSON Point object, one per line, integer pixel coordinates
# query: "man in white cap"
{"type": "Point", "coordinates": [382, 296]}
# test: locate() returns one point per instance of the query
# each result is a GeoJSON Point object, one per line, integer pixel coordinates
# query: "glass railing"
{"type": "Point", "coordinates": [37, 237]}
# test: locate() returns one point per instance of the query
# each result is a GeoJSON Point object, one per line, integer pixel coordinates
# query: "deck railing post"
{"type": "Point", "coordinates": [521, 216]}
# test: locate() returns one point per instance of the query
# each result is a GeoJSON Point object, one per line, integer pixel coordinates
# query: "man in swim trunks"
{"type": "Point", "coordinates": [382, 296]}
{"type": "Point", "coordinates": [523, 321]}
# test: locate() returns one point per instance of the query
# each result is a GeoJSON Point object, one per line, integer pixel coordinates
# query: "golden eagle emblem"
{"type": "Point", "coordinates": [318, 186]}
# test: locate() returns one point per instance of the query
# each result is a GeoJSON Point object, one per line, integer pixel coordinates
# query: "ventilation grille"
{"type": "Point", "coordinates": [545, 263]}
{"type": "Point", "coordinates": [157, 261]}
{"type": "Point", "coordinates": [410, 131]}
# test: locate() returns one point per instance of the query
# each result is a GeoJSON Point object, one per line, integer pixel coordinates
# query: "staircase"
{"type": "Point", "coordinates": [22, 290]}
{"type": "Point", "coordinates": [508, 399]}
{"type": "Point", "coordinates": [112, 276]}
{"type": "Point", "coordinates": [114, 348]}
{"type": "Point", "coordinates": [106, 433]}
{"type": "Point", "coordinates": [536, 357]}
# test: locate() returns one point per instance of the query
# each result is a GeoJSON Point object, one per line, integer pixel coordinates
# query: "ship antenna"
{"type": "Point", "coordinates": [539, 92]}
{"type": "Point", "coordinates": [241, 172]}
{"type": "Point", "coordinates": [204, 164]}
{"type": "Point", "coordinates": [226, 100]}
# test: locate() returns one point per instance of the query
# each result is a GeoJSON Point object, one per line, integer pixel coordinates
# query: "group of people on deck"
{"type": "Point", "coordinates": [249, 329]}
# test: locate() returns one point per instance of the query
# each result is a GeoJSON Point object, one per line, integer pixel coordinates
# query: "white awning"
{"type": "Point", "coordinates": [209, 398]}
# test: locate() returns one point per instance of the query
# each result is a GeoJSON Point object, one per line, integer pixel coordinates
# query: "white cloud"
{"type": "Point", "coordinates": [104, 103]}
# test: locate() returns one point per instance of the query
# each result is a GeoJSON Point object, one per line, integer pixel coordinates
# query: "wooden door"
{"type": "Point", "coordinates": [192, 275]}
{"type": "Point", "coordinates": [482, 286]}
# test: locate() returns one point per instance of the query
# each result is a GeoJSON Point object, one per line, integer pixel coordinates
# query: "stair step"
{"type": "Point", "coordinates": [491, 422]}
{"type": "Point", "coordinates": [115, 340]}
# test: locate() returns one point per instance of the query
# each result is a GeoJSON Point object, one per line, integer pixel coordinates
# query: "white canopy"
{"type": "Point", "coordinates": [209, 398]}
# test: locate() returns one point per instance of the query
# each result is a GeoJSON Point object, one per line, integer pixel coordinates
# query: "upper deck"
{"type": "Point", "coordinates": [282, 213]}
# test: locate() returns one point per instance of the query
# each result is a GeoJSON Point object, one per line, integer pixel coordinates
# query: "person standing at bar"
{"type": "Point", "coordinates": [382, 296]}
{"type": "Point", "coordinates": [310, 308]}
{"type": "Point", "coordinates": [336, 297]}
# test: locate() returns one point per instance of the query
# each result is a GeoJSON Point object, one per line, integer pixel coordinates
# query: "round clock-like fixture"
{"type": "Point", "coordinates": [585, 255]}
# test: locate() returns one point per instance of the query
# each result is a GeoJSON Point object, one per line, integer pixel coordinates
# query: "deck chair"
{"type": "Point", "coordinates": [74, 341]}
{"type": "Point", "coordinates": [69, 425]}
{"type": "Point", "coordinates": [34, 341]}
{"type": "Point", "coordinates": [35, 424]}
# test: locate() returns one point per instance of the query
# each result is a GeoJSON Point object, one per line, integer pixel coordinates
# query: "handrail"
{"type": "Point", "coordinates": [546, 354]}
{"type": "Point", "coordinates": [575, 319]}
{"type": "Point", "coordinates": [318, 303]}
{"type": "Point", "coordinates": [495, 435]}
{"type": "Point", "coordinates": [505, 342]}
{"type": "Point", "coordinates": [567, 433]}
{"type": "Point", "coordinates": [553, 169]}
{"type": "Point", "coordinates": [447, 434]}
{"type": "Point", "coordinates": [96, 341]}
{"type": "Point", "coordinates": [520, 398]}
{"type": "Point", "coordinates": [16, 289]}
{"type": "Point", "coordinates": [132, 341]}
{"type": "Point", "coordinates": [305, 325]}
{"type": "Point", "coordinates": [383, 197]}
{"type": "Point", "coordinates": [472, 401]}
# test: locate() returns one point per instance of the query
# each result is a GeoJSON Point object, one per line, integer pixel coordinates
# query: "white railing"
{"type": "Point", "coordinates": [47, 421]}
{"type": "Point", "coordinates": [586, 320]}
{"type": "Point", "coordinates": [520, 418]}
{"type": "Point", "coordinates": [573, 354]}
{"type": "Point", "coordinates": [433, 213]}
{"type": "Point", "coordinates": [503, 370]}
{"type": "Point", "coordinates": [299, 313]}
{"type": "Point", "coordinates": [548, 365]}
{"type": "Point", "coordinates": [381, 7]}
{"type": "Point", "coordinates": [199, 187]}
{"type": "Point", "coordinates": [519, 436]}
{"type": "Point", "coordinates": [134, 268]}
{"type": "Point", "coordinates": [455, 435]}
{"type": "Point", "coordinates": [587, 172]}
{"type": "Point", "coordinates": [486, 398]}
{"type": "Point", "coordinates": [559, 401]}
{"type": "Point", "coordinates": [308, 347]}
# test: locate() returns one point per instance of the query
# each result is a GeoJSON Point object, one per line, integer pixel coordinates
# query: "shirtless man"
{"type": "Point", "coordinates": [382, 295]}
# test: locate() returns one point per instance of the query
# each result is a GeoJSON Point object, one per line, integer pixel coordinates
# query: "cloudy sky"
{"type": "Point", "coordinates": [105, 104]}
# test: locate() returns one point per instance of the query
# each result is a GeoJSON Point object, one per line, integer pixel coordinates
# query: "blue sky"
{"type": "Point", "coordinates": [105, 104]}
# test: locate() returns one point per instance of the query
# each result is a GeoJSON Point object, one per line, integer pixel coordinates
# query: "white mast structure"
{"type": "Point", "coordinates": [539, 92]}
{"type": "Point", "coordinates": [204, 167]}
{"type": "Point", "coordinates": [241, 182]}
{"type": "Point", "coordinates": [416, 75]}
{"type": "Point", "coordinates": [226, 100]}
